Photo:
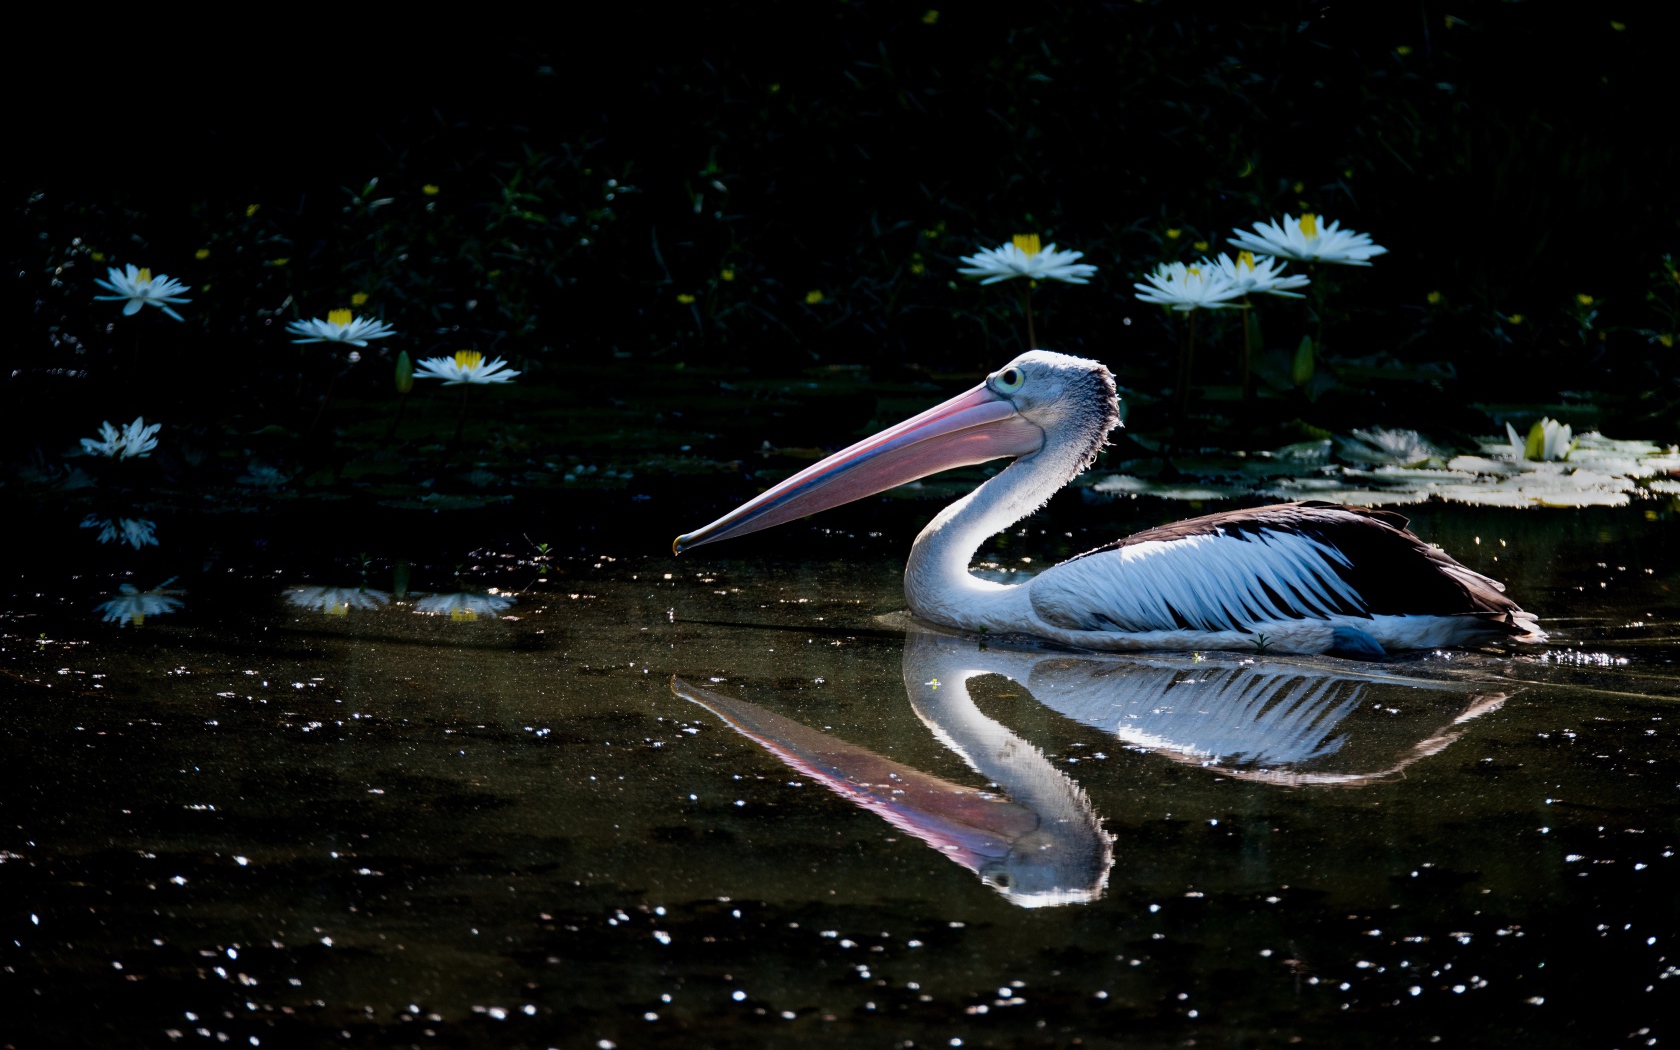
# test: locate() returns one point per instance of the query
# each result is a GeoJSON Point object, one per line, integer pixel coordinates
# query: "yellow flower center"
{"type": "Point", "coordinates": [468, 359]}
{"type": "Point", "coordinates": [1309, 225]}
{"type": "Point", "coordinates": [341, 609]}
{"type": "Point", "coordinates": [1027, 243]}
{"type": "Point", "coordinates": [340, 318]}
{"type": "Point", "coordinates": [1194, 271]}
{"type": "Point", "coordinates": [1245, 261]}
{"type": "Point", "coordinates": [358, 299]}
{"type": "Point", "coordinates": [462, 615]}
{"type": "Point", "coordinates": [1584, 299]}
{"type": "Point", "coordinates": [137, 618]}
{"type": "Point", "coordinates": [813, 297]}
{"type": "Point", "coordinates": [145, 275]}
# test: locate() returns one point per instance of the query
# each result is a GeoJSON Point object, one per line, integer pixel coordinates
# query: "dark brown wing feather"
{"type": "Point", "coordinates": [1394, 572]}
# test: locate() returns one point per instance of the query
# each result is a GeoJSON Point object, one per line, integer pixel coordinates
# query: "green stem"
{"type": "Point", "coordinates": [1188, 368]}
{"type": "Point", "coordinates": [402, 405]}
{"type": "Point", "coordinates": [319, 412]}
{"type": "Point", "coordinates": [1247, 386]}
{"type": "Point", "coordinates": [461, 424]}
{"type": "Point", "coordinates": [1026, 305]}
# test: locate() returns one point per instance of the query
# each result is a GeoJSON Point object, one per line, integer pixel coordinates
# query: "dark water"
{"type": "Point", "coordinates": [741, 800]}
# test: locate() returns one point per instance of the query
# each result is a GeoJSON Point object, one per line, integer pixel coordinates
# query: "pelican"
{"type": "Point", "coordinates": [1307, 577]}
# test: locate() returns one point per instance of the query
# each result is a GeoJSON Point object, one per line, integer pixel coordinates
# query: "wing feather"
{"type": "Point", "coordinates": [1230, 571]}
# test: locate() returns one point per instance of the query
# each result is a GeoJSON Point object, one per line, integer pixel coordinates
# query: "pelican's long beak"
{"type": "Point", "coordinates": [970, 428]}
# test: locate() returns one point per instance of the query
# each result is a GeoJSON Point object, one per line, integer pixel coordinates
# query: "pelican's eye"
{"type": "Point", "coordinates": [1009, 380]}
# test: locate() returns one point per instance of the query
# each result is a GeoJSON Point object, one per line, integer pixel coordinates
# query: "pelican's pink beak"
{"type": "Point", "coordinates": [970, 428]}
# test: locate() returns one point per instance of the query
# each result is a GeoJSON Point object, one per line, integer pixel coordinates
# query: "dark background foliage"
{"type": "Point", "coordinates": [809, 174]}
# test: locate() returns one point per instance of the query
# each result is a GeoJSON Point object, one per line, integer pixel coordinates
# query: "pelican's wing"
{"type": "Point", "coordinates": [1244, 714]}
{"type": "Point", "coordinates": [1230, 571]}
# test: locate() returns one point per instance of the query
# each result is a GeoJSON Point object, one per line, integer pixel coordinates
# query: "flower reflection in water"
{"type": "Point", "coordinates": [1035, 837]}
{"type": "Point", "coordinates": [132, 605]}
{"type": "Point", "coordinates": [464, 605]}
{"type": "Point", "coordinates": [136, 532]}
{"type": "Point", "coordinates": [336, 601]}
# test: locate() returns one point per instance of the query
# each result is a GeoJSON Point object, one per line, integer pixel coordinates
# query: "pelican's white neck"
{"type": "Point", "coordinates": [937, 583]}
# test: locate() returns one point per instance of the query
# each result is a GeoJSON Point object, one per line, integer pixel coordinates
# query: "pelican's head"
{"type": "Point", "coordinates": [1046, 868]}
{"type": "Point", "coordinates": [1069, 398]}
{"type": "Point", "coordinates": [1034, 400]}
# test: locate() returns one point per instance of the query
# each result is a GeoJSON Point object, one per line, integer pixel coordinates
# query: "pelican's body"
{"type": "Point", "coordinates": [1297, 577]}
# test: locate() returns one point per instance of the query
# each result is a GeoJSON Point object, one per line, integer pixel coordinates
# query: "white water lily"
{"type": "Point", "coordinates": [1305, 241]}
{"type": "Point", "coordinates": [1184, 288]}
{"type": "Point", "coordinates": [1023, 257]}
{"type": "Point", "coordinates": [467, 367]}
{"type": "Point", "coordinates": [1258, 275]}
{"type": "Point", "coordinates": [132, 441]}
{"type": "Point", "coordinates": [1381, 445]}
{"type": "Point", "coordinates": [336, 601]}
{"type": "Point", "coordinates": [132, 605]}
{"type": "Point", "coordinates": [466, 605]}
{"type": "Point", "coordinates": [136, 532]}
{"type": "Point", "coordinates": [1547, 441]}
{"type": "Point", "coordinates": [138, 287]}
{"type": "Point", "coordinates": [341, 326]}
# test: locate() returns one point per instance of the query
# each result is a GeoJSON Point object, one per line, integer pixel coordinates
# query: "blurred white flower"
{"type": "Point", "coordinates": [136, 532]}
{"type": "Point", "coordinates": [132, 606]}
{"type": "Point", "coordinates": [466, 605]}
{"type": "Point", "coordinates": [1399, 448]}
{"type": "Point", "coordinates": [1187, 288]}
{"type": "Point", "coordinates": [134, 440]}
{"type": "Point", "coordinates": [1258, 276]}
{"type": "Point", "coordinates": [137, 286]}
{"type": "Point", "coordinates": [336, 601]}
{"type": "Point", "coordinates": [466, 367]}
{"type": "Point", "coordinates": [1548, 440]}
{"type": "Point", "coordinates": [341, 326]}
{"type": "Point", "coordinates": [1023, 257]}
{"type": "Point", "coordinates": [1302, 240]}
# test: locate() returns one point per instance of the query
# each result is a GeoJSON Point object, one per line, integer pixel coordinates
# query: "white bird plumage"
{"type": "Point", "coordinates": [1300, 577]}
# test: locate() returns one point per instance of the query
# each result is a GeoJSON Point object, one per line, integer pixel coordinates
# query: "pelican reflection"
{"type": "Point", "coordinates": [1290, 721]}
{"type": "Point", "coordinates": [1031, 832]}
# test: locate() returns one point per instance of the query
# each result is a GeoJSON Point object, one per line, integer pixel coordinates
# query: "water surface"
{"type": "Point", "coordinates": [497, 798]}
